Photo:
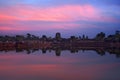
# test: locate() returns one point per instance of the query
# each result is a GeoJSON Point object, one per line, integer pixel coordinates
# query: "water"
{"type": "Point", "coordinates": [87, 65]}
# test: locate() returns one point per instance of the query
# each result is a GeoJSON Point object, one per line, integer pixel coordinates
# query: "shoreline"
{"type": "Point", "coordinates": [80, 43]}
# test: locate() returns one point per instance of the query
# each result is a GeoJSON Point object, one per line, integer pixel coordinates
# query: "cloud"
{"type": "Point", "coordinates": [58, 13]}
{"type": "Point", "coordinates": [37, 25]}
{"type": "Point", "coordinates": [67, 17]}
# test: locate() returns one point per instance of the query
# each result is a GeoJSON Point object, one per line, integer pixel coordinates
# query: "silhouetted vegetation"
{"type": "Point", "coordinates": [29, 37]}
{"type": "Point", "coordinates": [113, 38]}
{"type": "Point", "coordinates": [31, 43]}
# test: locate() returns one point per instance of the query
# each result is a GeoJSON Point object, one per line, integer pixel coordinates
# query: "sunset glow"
{"type": "Point", "coordinates": [74, 16]}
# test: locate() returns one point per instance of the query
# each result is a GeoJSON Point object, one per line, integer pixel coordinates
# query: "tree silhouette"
{"type": "Point", "coordinates": [28, 36]}
{"type": "Point", "coordinates": [100, 36]}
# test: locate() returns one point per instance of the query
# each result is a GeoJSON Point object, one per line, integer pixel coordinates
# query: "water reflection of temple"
{"type": "Point", "coordinates": [58, 49]}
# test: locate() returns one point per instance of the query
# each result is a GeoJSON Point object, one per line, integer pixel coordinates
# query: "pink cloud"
{"type": "Point", "coordinates": [59, 17]}
{"type": "Point", "coordinates": [6, 16]}
{"type": "Point", "coordinates": [8, 28]}
{"type": "Point", "coordinates": [33, 26]}
{"type": "Point", "coordinates": [14, 25]}
{"type": "Point", "coordinates": [59, 13]}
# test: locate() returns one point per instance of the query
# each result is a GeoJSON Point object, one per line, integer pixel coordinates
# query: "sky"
{"type": "Point", "coordinates": [69, 17]}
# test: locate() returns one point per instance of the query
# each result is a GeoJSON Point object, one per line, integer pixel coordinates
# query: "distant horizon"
{"type": "Point", "coordinates": [64, 35]}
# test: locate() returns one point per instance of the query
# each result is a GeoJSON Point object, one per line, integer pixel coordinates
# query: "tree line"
{"type": "Point", "coordinates": [99, 37]}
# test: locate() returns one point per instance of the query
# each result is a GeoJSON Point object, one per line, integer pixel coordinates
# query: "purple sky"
{"type": "Point", "coordinates": [70, 17]}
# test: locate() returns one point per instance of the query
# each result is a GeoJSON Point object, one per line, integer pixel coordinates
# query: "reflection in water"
{"type": "Point", "coordinates": [41, 64]}
{"type": "Point", "coordinates": [99, 50]}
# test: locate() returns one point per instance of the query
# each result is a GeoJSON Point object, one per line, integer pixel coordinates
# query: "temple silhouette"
{"type": "Point", "coordinates": [31, 43]}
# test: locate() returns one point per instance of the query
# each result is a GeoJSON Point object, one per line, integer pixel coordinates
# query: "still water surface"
{"type": "Point", "coordinates": [87, 65]}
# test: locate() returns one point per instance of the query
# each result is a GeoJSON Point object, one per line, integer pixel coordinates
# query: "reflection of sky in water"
{"type": "Point", "coordinates": [68, 66]}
